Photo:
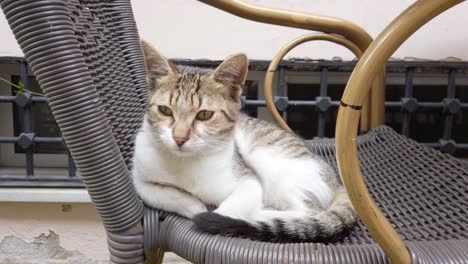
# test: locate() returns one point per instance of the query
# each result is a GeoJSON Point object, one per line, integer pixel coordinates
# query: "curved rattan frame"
{"type": "Point", "coordinates": [273, 67]}
{"type": "Point", "coordinates": [331, 25]}
{"type": "Point", "coordinates": [348, 116]}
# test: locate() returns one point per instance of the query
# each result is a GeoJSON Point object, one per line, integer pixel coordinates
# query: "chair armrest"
{"type": "Point", "coordinates": [347, 122]}
{"type": "Point", "coordinates": [330, 25]}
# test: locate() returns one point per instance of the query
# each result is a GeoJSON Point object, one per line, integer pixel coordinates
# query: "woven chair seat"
{"type": "Point", "coordinates": [423, 193]}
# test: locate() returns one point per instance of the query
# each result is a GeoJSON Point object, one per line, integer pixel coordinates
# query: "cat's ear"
{"type": "Point", "coordinates": [157, 66]}
{"type": "Point", "coordinates": [232, 74]}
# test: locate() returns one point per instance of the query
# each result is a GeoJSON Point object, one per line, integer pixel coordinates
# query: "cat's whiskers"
{"type": "Point", "coordinates": [215, 146]}
{"type": "Point", "coordinates": [157, 139]}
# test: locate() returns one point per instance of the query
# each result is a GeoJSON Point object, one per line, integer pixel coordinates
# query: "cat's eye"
{"type": "Point", "coordinates": [165, 110]}
{"type": "Point", "coordinates": [204, 115]}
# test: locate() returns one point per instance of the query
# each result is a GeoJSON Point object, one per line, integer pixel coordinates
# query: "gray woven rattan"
{"type": "Point", "coordinates": [87, 58]}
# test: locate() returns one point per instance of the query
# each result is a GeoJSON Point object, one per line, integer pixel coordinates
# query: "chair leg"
{"type": "Point", "coordinates": [156, 257]}
{"type": "Point", "coordinates": [154, 254]}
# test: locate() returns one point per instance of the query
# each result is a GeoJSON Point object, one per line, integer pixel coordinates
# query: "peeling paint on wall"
{"type": "Point", "coordinates": [45, 249]}
{"type": "Point", "coordinates": [54, 233]}
{"type": "Point", "coordinates": [77, 224]}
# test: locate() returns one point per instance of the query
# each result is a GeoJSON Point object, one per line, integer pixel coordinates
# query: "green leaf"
{"type": "Point", "coordinates": [21, 87]}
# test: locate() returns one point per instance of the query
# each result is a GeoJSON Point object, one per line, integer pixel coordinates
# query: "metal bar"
{"type": "Point", "coordinates": [391, 104]}
{"type": "Point", "coordinates": [11, 99]}
{"type": "Point", "coordinates": [409, 82]}
{"type": "Point", "coordinates": [346, 66]}
{"type": "Point", "coordinates": [39, 178]}
{"type": "Point", "coordinates": [54, 140]}
{"type": "Point", "coordinates": [12, 59]}
{"type": "Point", "coordinates": [321, 125]}
{"type": "Point", "coordinates": [71, 166]}
{"type": "Point", "coordinates": [262, 103]}
{"type": "Point", "coordinates": [39, 99]}
{"type": "Point", "coordinates": [452, 83]}
{"type": "Point", "coordinates": [8, 139]}
{"type": "Point", "coordinates": [405, 128]}
{"type": "Point", "coordinates": [423, 104]}
{"type": "Point", "coordinates": [317, 63]}
{"type": "Point", "coordinates": [323, 81]}
{"type": "Point", "coordinates": [451, 89]}
{"type": "Point", "coordinates": [437, 145]}
{"type": "Point", "coordinates": [311, 103]}
{"type": "Point", "coordinates": [40, 184]}
{"type": "Point", "coordinates": [448, 121]}
{"type": "Point", "coordinates": [7, 99]}
{"type": "Point", "coordinates": [255, 102]}
{"type": "Point", "coordinates": [429, 64]}
{"type": "Point", "coordinates": [282, 82]}
{"type": "Point", "coordinates": [462, 146]}
{"type": "Point", "coordinates": [387, 103]}
{"type": "Point", "coordinates": [293, 103]}
{"type": "Point", "coordinates": [27, 120]}
{"type": "Point", "coordinates": [431, 144]}
{"type": "Point", "coordinates": [282, 86]}
{"type": "Point", "coordinates": [323, 93]}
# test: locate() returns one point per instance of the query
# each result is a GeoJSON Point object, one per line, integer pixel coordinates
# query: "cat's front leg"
{"type": "Point", "coordinates": [244, 202]}
{"type": "Point", "coordinates": [169, 199]}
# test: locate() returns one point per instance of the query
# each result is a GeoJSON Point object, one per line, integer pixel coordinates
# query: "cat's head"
{"type": "Point", "coordinates": [193, 111]}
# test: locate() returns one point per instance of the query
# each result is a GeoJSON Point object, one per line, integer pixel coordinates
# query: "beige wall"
{"type": "Point", "coordinates": [190, 29]}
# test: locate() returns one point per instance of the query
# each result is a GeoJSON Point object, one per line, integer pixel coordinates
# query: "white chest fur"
{"type": "Point", "coordinates": [208, 177]}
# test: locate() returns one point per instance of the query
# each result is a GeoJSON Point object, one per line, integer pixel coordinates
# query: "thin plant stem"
{"type": "Point", "coordinates": [34, 93]}
{"type": "Point", "coordinates": [10, 83]}
{"type": "Point", "coordinates": [20, 89]}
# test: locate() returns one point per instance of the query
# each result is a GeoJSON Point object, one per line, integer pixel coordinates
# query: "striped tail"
{"type": "Point", "coordinates": [326, 226]}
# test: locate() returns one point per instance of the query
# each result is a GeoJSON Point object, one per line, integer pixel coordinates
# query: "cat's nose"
{"type": "Point", "coordinates": [180, 140]}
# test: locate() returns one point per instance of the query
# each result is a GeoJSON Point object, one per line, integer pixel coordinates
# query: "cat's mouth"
{"type": "Point", "coordinates": [182, 150]}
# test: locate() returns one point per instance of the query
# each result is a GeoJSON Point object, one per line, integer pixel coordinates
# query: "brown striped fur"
{"type": "Point", "coordinates": [188, 90]}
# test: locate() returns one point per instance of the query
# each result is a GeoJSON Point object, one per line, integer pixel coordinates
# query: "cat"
{"type": "Point", "coordinates": [196, 149]}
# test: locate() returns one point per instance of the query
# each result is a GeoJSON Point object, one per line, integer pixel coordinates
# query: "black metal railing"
{"type": "Point", "coordinates": [27, 138]}
{"type": "Point", "coordinates": [324, 104]}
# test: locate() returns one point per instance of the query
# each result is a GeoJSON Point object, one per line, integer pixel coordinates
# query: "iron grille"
{"type": "Point", "coordinates": [408, 105]}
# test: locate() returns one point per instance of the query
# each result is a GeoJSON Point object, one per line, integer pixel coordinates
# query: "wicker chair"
{"type": "Point", "coordinates": [87, 58]}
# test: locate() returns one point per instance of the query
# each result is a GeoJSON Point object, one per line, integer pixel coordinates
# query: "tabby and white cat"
{"type": "Point", "coordinates": [196, 150]}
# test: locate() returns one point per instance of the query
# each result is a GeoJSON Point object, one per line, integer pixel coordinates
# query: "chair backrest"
{"type": "Point", "coordinates": [88, 60]}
